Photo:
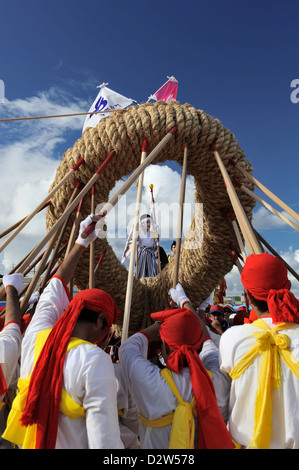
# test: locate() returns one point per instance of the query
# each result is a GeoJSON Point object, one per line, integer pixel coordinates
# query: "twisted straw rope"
{"type": "Point", "coordinates": [201, 269]}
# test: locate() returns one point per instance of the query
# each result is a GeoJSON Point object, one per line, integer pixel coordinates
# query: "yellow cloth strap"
{"type": "Point", "coordinates": [272, 346]}
{"type": "Point", "coordinates": [26, 436]}
{"type": "Point", "coordinates": [182, 419]}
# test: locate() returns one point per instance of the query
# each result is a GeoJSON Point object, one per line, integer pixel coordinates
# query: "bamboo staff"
{"type": "Point", "coordinates": [289, 268]}
{"type": "Point", "coordinates": [249, 236]}
{"type": "Point", "coordinates": [269, 193]}
{"type": "Point", "coordinates": [39, 207]}
{"type": "Point", "coordinates": [62, 219]}
{"type": "Point", "coordinates": [180, 218]}
{"type": "Point", "coordinates": [10, 229]}
{"type": "Point", "coordinates": [265, 204]}
{"type": "Point", "coordinates": [111, 203]}
{"type": "Point", "coordinates": [129, 290]}
{"type": "Point", "coordinates": [91, 246]}
{"type": "Point", "coordinates": [155, 223]}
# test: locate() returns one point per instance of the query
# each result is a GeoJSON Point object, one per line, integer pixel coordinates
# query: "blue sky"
{"type": "Point", "coordinates": [235, 60]}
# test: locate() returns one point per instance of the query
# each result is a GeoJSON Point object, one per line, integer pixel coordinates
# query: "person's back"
{"type": "Point", "coordinates": [156, 396]}
{"type": "Point", "coordinates": [262, 360]}
{"type": "Point", "coordinates": [67, 383]}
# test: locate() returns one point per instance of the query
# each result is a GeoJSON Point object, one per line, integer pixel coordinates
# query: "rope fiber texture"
{"type": "Point", "coordinates": [201, 268]}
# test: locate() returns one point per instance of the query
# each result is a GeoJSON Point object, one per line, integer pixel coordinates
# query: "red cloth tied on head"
{"type": "Point", "coordinates": [266, 278]}
{"type": "Point", "coordinates": [44, 394]}
{"type": "Point", "coordinates": [181, 330]}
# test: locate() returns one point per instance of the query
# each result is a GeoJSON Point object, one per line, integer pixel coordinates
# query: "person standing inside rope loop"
{"type": "Point", "coordinates": [261, 358]}
{"type": "Point", "coordinates": [67, 388]}
{"type": "Point", "coordinates": [147, 259]}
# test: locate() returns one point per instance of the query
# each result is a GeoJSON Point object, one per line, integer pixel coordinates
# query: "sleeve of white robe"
{"type": "Point", "coordinates": [210, 359]}
{"type": "Point", "coordinates": [10, 348]}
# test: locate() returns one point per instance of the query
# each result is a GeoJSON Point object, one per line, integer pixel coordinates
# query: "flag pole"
{"type": "Point", "coordinates": [180, 218]}
{"type": "Point", "coordinates": [128, 183]}
{"type": "Point", "coordinates": [128, 299]}
{"type": "Point", "coordinates": [40, 206]}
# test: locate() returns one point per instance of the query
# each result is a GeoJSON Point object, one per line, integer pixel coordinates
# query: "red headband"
{"type": "Point", "coordinates": [45, 386]}
{"type": "Point", "coordinates": [182, 331]}
{"type": "Point", "coordinates": [266, 278]}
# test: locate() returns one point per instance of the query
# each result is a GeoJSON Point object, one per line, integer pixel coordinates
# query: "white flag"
{"type": "Point", "coordinates": [106, 100]}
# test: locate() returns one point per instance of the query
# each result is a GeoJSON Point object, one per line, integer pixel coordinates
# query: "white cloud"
{"type": "Point", "coordinates": [28, 163]}
{"type": "Point", "coordinates": [264, 219]}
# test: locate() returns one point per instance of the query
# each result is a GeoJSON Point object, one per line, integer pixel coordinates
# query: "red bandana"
{"type": "Point", "coordinates": [45, 386]}
{"type": "Point", "coordinates": [182, 331]}
{"type": "Point", "coordinates": [266, 278]}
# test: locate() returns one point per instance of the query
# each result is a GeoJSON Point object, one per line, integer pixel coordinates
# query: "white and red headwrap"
{"type": "Point", "coordinates": [44, 394]}
{"type": "Point", "coordinates": [182, 331]}
{"type": "Point", "coordinates": [266, 278]}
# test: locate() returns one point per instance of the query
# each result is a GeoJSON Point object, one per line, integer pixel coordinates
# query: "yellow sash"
{"type": "Point", "coordinates": [26, 436]}
{"type": "Point", "coordinates": [273, 347]}
{"type": "Point", "coordinates": [182, 419]}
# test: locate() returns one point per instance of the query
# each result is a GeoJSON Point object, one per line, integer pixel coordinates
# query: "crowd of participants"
{"type": "Point", "coordinates": [198, 377]}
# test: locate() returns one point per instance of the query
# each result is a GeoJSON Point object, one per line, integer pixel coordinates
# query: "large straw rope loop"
{"type": "Point", "coordinates": [202, 268]}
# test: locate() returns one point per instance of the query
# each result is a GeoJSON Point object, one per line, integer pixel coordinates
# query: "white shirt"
{"type": "Point", "coordinates": [152, 395]}
{"type": "Point", "coordinates": [88, 377]}
{"type": "Point", "coordinates": [234, 344]}
{"type": "Point", "coordinates": [10, 349]}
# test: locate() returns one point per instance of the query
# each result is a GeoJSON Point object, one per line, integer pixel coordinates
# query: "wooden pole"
{"type": "Point", "coordinates": [91, 246]}
{"type": "Point", "coordinates": [269, 193]}
{"type": "Point", "coordinates": [265, 204]}
{"type": "Point", "coordinates": [75, 227]}
{"type": "Point", "coordinates": [238, 234]}
{"type": "Point", "coordinates": [155, 223]}
{"type": "Point", "coordinates": [112, 202]}
{"type": "Point", "coordinates": [249, 236]}
{"type": "Point", "coordinates": [59, 241]}
{"type": "Point", "coordinates": [39, 207]}
{"type": "Point", "coordinates": [289, 268]}
{"type": "Point", "coordinates": [130, 280]}
{"type": "Point", "coordinates": [180, 218]}
{"type": "Point", "coordinates": [10, 229]}
{"type": "Point", "coordinates": [62, 219]}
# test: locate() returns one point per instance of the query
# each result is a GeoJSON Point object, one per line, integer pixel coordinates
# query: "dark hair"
{"type": "Point", "coordinates": [173, 244]}
{"type": "Point", "coordinates": [90, 316]}
{"type": "Point", "coordinates": [260, 304]}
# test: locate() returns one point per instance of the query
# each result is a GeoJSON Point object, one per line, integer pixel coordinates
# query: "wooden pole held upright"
{"type": "Point", "coordinates": [130, 280]}
{"type": "Point", "coordinates": [180, 218]}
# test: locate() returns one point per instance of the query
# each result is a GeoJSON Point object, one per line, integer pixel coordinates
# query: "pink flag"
{"type": "Point", "coordinates": [167, 92]}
